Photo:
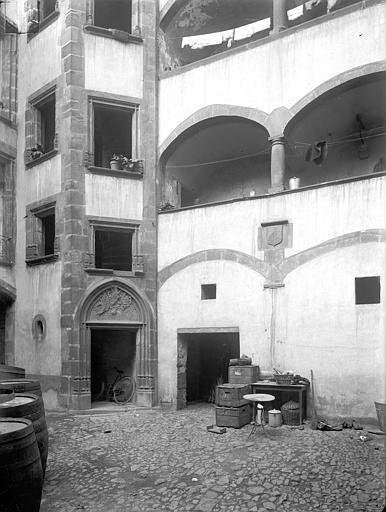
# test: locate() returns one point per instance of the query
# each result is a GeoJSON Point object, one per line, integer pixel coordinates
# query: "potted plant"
{"type": "Point", "coordinates": [34, 153]}
{"type": "Point", "coordinates": [121, 162]}
{"type": "Point", "coordinates": [116, 162]}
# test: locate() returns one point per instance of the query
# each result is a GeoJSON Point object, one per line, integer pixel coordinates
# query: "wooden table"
{"type": "Point", "coordinates": [273, 388]}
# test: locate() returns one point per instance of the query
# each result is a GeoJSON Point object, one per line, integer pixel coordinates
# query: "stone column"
{"type": "Point", "coordinates": [280, 20]}
{"type": "Point", "coordinates": [277, 163]}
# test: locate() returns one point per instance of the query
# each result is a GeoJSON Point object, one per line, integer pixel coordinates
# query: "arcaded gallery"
{"type": "Point", "coordinates": [191, 186]}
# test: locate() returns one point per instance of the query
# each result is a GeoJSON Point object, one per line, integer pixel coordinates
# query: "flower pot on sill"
{"type": "Point", "coordinates": [115, 165]}
{"type": "Point", "coordinates": [128, 167]}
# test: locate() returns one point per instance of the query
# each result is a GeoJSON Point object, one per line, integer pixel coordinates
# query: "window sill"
{"type": "Point", "coordinates": [110, 271]}
{"type": "Point", "coordinates": [118, 174]}
{"type": "Point", "coordinates": [42, 259]}
{"type": "Point", "coordinates": [112, 33]}
{"type": "Point", "coordinates": [43, 24]}
{"type": "Point", "coordinates": [43, 158]}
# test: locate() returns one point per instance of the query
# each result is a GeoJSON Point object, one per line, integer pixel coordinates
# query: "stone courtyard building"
{"type": "Point", "coordinates": [246, 217]}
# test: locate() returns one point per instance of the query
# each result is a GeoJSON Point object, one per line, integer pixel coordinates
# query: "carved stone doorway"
{"type": "Point", "coordinates": [111, 350]}
{"type": "Point", "coordinates": [117, 306]}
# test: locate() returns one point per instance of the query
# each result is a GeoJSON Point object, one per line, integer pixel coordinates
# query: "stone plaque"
{"type": "Point", "coordinates": [115, 304]}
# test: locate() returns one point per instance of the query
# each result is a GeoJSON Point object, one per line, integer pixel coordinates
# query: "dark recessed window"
{"type": "Point", "coordinates": [112, 133]}
{"type": "Point", "coordinates": [41, 237]}
{"type": "Point", "coordinates": [113, 249]}
{"type": "Point", "coordinates": [367, 290]}
{"type": "Point", "coordinates": [48, 233]}
{"type": "Point", "coordinates": [46, 7]}
{"type": "Point", "coordinates": [113, 14]}
{"type": "Point", "coordinates": [208, 291]}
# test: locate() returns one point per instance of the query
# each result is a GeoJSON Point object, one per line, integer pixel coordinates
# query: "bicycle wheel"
{"type": "Point", "coordinates": [123, 390]}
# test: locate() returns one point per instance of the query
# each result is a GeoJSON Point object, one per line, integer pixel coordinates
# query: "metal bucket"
{"type": "Point", "coordinates": [294, 183]}
{"type": "Point", "coordinates": [274, 418]}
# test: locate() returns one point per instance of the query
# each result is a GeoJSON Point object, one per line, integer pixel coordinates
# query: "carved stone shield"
{"type": "Point", "coordinates": [274, 235]}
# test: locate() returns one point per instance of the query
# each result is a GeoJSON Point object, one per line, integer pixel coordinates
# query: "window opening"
{"type": "Point", "coordinates": [208, 291]}
{"type": "Point", "coordinates": [113, 249]}
{"type": "Point", "coordinates": [41, 239]}
{"type": "Point", "coordinates": [39, 328]}
{"type": "Point", "coordinates": [367, 290]}
{"type": "Point", "coordinates": [114, 14]}
{"type": "Point", "coordinates": [46, 111]}
{"type": "Point", "coordinates": [112, 133]}
{"type": "Point", "coordinates": [40, 126]}
{"type": "Point", "coordinates": [46, 7]}
{"type": "Point", "coordinates": [48, 234]}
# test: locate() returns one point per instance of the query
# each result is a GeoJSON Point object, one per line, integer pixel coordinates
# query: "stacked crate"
{"type": "Point", "coordinates": [243, 374]}
{"type": "Point", "coordinates": [232, 410]}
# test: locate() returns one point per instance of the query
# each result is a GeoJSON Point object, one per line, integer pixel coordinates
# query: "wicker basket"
{"type": "Point", "coordinates": [284, 378]}
{"type": "Point", "coordinates": [291, 413]}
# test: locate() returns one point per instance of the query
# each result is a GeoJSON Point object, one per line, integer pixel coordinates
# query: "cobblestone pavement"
{"type": "Point", "coordinates": [147, 460]}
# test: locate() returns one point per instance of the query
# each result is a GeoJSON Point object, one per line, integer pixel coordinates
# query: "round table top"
{"type": "Point", "coordinates": [259, 397]}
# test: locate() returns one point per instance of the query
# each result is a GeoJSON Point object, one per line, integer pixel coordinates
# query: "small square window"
{"type": "Point", "coordinates": [367, 290]}
{"type": "Point", "coordinates": [208, 291]}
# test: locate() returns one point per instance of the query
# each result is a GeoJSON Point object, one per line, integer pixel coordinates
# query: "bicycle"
{"type": "Point", "coordinates": [120, 391]}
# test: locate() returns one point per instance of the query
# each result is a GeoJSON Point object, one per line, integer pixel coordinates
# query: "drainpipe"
{"type": "Point", "coordinates": [277, 163]}
{"type": "Point", "coordinates": [280, 20]}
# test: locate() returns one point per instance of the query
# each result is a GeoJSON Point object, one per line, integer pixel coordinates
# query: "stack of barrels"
{"type": "Point", "coordinates": [23, 441]}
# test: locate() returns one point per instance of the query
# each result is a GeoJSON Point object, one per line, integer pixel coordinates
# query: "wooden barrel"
{"type": "Point", "coordinates": [29, 406]}
{"type": "Point", "coordinates": [6, 394]}
{"type": "Point", "coordinates": [11, 372]}
{"type": "Point", "coordinates": [22, 386]}
{"type": "Point", "coordinates": [21, 475]}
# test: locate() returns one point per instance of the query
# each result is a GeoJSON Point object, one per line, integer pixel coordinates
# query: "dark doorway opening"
{"type": "Point", "coordinates": [110, 349]}
{"type": "Point", "coordinates": [203, 364]}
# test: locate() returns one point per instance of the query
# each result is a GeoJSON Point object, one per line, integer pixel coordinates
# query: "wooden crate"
{"type": "Point", "coordinates": [231, 395]}
{"type": "Point", "coordinates": [235, 417]}
{"type": "Point", "coordinates": [243, 374]}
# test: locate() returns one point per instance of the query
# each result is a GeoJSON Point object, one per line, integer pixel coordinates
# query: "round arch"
{"type": "Point", "coordinates": [211, 112]}
{"type": "Point", "coordinates": [7, 292]}
{"type": "Point", "coordinates": [115, 303]}
{"type": "Point", "coordinates": [333, 83]}
{"type": "Point", "coordinates": [170, 8]}
{"type": "Point", "coordinates": [145, 313]}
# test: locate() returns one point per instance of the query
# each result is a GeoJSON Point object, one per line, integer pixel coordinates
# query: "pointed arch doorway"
{"type": "Point", "coordinates": [116, 329]}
